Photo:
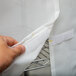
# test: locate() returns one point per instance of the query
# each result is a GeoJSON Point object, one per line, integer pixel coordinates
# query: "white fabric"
{"type": "Point", "coordinates": [57, 39]}
{"type": "Point", "coordinates": [63, 55]}
{"type": "Point", "coordinates": [19, 18]}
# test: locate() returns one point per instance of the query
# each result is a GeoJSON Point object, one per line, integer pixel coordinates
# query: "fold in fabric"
{"type": "Point", "coordinates": [33, 47]}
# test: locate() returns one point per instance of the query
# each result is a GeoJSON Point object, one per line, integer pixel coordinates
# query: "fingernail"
{"type": "Point", "coordinates": [23, 49]}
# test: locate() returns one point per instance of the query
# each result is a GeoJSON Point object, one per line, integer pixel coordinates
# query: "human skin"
{"type": "Point", "coordinates": [9, 53]}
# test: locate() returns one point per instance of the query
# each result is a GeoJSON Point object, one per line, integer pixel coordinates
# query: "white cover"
{"type": "Point", "coordinates": [63, 55]}
{"type": "Point", "coordinates": [19, 18]}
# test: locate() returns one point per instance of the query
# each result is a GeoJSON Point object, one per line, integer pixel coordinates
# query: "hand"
{"type": "Point", "coordinates": [7, 53]}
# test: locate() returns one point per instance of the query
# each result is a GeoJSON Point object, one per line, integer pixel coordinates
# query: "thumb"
{"type": "Point", "coordinates": [18, 50]}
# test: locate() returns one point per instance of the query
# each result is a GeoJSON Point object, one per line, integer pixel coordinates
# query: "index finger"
{"type": "Point", "coordinates": [10, 41]}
